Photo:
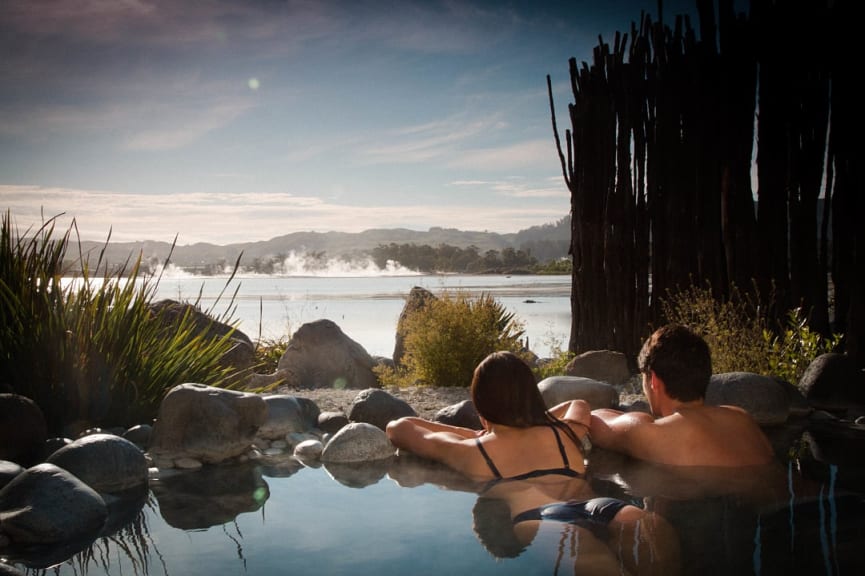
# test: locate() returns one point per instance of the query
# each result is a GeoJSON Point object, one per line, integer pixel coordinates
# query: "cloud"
{"type": "Point", "coordinates": [224, 218]}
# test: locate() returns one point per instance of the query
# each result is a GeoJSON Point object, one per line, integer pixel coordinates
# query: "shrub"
{"type": "Point", "coordinates": [733, 328]}
{"type": "Point", "coordinates": [448, 337]}
{"type": "Point", "coordinates": [796, 347]}
{"type": "Point", "coordinates": [739, 334]}
{"type": "Point", "coordinates": [91, 350]}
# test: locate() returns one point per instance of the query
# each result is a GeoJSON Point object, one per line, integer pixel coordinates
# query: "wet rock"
{"type": "Point", "coordinates": [105, 462]}
{"type": "Point", "coordinates": [22, 430]}
{"type": "Point", "coordinates": [558, 389]}
{"type": "Point", "coordinates": [832, 381]}
{"type": "Point", "coordinates": [378, 407]}
{"type": "Point", "coordinates": [139, 435]}
{"type": "Point", "coordinates": [47, 505]}
{"type": "Point", "coordinates": [358, 442]}
{"type": "Point", "coordinates": [206, 423]}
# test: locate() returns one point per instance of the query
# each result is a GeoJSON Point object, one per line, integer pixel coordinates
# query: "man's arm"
{"type": "Point", "coordinates": [627, 432]}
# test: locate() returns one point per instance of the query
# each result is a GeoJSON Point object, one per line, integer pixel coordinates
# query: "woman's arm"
{"type": "Point", "coordinates": [573, 412]}
{"type": "Point", "coordinates": [433, 440]}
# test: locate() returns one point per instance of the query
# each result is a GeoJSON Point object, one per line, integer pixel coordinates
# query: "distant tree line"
{"type": "Point", "coordinates": [447, 258]}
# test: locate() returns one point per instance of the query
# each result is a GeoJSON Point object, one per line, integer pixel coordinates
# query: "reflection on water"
{"type": "Point", "coordinates": [409, 516]}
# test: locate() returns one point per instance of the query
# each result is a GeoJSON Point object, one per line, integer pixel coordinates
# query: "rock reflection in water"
{"type": "Point", "coordinates": [357, 474]}
{"type": "Point", "coordinates": [210, 496]}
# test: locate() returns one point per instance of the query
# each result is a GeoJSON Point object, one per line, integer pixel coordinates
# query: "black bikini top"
{"type": "Point", "coordinates": [565, 470]}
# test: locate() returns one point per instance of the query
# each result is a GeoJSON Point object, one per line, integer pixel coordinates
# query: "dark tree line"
{"type": "Point", "coordinates": [447, 258]}
{"type": "Point", "coordinates": [665, 125]}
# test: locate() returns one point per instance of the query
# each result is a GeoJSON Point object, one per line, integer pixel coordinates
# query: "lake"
{"type": "Point", "coordinates": [367, 308]}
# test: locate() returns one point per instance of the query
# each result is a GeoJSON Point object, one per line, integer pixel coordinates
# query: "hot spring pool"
{"type": "Point", "coordinates": [276, 516]}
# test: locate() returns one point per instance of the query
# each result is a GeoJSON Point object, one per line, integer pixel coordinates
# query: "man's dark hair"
{"type": "Point", "coordinates": [680, 358]}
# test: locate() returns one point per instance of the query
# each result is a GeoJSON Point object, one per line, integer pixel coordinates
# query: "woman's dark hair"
{"type": "Point", "coordinates": [504, 391]}
{"type": "Point", "coordinates": [681, 358]}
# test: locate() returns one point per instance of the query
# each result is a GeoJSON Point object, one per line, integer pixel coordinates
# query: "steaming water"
{"type": "Point", "coordinates": [367, 307]}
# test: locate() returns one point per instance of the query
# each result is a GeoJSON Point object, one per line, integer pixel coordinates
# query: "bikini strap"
{"type": "Point", "coordinates": [489, 460]}
{"type": "Point", "coordinates": [561, 447]}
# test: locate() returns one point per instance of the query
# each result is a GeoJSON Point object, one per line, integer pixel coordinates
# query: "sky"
{"type": "Point", "coordinates": [228, 121]}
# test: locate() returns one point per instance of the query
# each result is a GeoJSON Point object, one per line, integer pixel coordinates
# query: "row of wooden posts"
{"type": "Point", "coordinates": [722, 158]}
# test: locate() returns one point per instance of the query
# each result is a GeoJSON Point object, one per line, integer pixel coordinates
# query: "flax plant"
{"type": "Point", "coordinates": [91, 351]}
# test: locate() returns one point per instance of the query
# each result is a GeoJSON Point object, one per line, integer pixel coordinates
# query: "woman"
{"type": "Point", "coordinates": [520, 440]}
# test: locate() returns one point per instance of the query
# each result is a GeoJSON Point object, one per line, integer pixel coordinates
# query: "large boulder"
{"type": "Point", "coordinates": [558, 389]}
{"type": "Point", "coordinates": [358, 442]}
{"type": "Point", "coordinates": [320, 355]}
{"type": "Point", "coordinates": [205, 423]}
{"type": "Point", "coordinates": [764, 398]}
{"type": "Point", "coordinates": [105, 462]}
{"type": "Point", "coordinates": [377, 407]}
{"type": "Point", "coordinates": [22, 430]}
{"type": "Point", "coordinates": [47, 505]}
{"type": "Point", "coordinates": [417, 299]}
{"type": "Point", "coordinates": [602, 365]}
{"type": "Point", "coordinates": [240, 355]}
{"type": "Point", "coordinates": [287, 414]}
{"type": "Point", "coordinates": [832, 381]}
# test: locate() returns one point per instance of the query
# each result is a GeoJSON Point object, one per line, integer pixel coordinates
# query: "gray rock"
{"type": "Point", "coordinates": [46, 504]}
{"type": "Point", "coordinates": [105, 462]}
{"type": "Point", "coordinates": [558, 389]}
{"type": "Point", "coordinates": [460, 414]}
{"type": "Point", "coordinates": [22, 430]}
{"type": "Point", "coordinates": [206, 423]}
{"type": "Point", "coordinates": [309, 449]}
{"type": "Point", "coordinates": [331, 422]}
{"type": "Point", "coordinates": [8, 472]}
{"type": "Point", "coordinates": [139, 435]}
{"type": "Point", "coordinates": [320, 355]}
{"type": "Point", "coordinates": [378, 407]}
{"type": "Point", "coordinates": [358, 442]}
{"type": "Point", "coordinates": [832, 381]}
{"type": "Point", "coordinates": [287, 414]}
{"type": "Point", "coordinates": [602, 365]}
{"type": "Point", "coordinates": [761, 396]}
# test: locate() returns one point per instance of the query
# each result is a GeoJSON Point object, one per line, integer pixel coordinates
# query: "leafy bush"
{"type": "Point", "coordinates": [795, 348]}
{"type": "Point", "coordinates": [91, 351]}
{"type": "Point", "coordinates": [739, 335]}
{"type": "Point", "coordinates": [446, 339]}
{"type": "Point", "coordinates": [557, 362]}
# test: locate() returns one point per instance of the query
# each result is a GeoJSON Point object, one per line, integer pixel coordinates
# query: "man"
{"type": "Point", "coordinates": [682, 431]}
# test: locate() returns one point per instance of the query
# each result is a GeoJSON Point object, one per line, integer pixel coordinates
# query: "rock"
{"type": "Point", "coordinates": [558, 389]}
{"type": "Point", "coordinates": [52, 445]}
{"type": "Point", "coordinates": [331, 422]}
{"type": "Point", "coordinates": [378, 407]}
{"type": "Point", "coordinates": [22, 430]}
{"type": "Point", "coordinates": [46, 505]}
{"type": "Point", "coordinates": [832, 381]}
{"type": "Point", "coordinates": [7, 570]}
{"type": "Point", "coordinates": [602, 365]}
{"type": "Point", "coordinates": [358, 442]}
{"type": "Point", "coordinates": [286, 414]}
{"type": "Point", "coordinates": [308, 449]}
{"type": "Point", "coordinates": [139, 435]}
{"type": "Point", "coordinates": [417, 300]}
{"type": "Point", "coordinates": [242, 353]}
{"type": "Point", "coordinates": [761, 396]}
{"type": "Point", "coordinates": [8, 472]}
{"type": "Point", "coordinates": [206, 423]}
{"type": "Point", "coordinates": [320, 355]}
{"type": "Point", "coordinates": [105, 462]}
{"type": "Point", "coordinates": [460, 414]}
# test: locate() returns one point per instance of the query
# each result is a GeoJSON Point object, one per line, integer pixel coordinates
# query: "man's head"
{"type": "Point", "coordinates": [681, 359]}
